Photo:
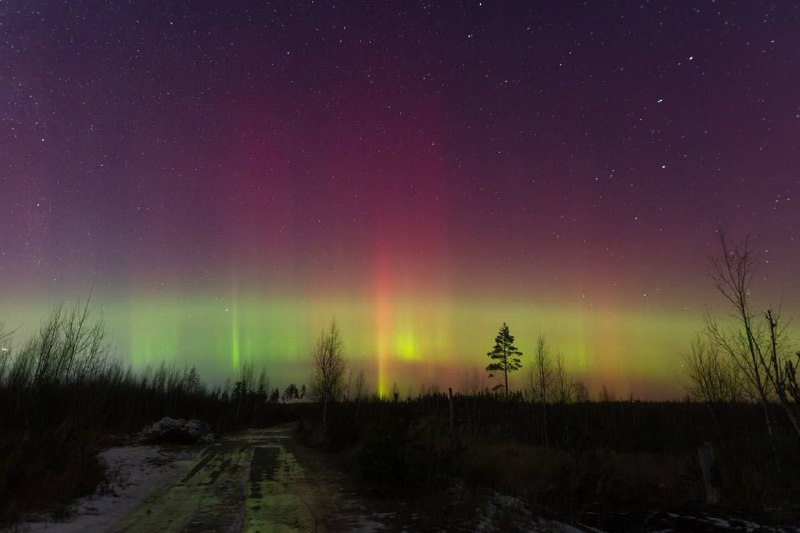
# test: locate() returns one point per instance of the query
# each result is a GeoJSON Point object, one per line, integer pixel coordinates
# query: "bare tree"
{"type": "Point", "coordinates": [755, 348]}
{"type": "Point", "coordinates": [244, 386]}
{"type": "Point", "coordinates": [474, 382]}
{"type": "Point", "coordinates": [359, 386]}
{"type": "Point", "coordinates": [606, 395]}
{"type": "Point", "coordinates": [328, 369]}
{"type": "Point", "coordinates": [348, 385]}
{"type": "Point", "coordinates": [540, 381]}
{"type": "Point", "coordinates": [581, 392]}
{"type": "Point", "coordinates": [473, 387]}
{"type": "Point", "coordinates": [790, 369]}
{"type": "Point", "coordinates": [732, 273]}
{"type": "Point", "coordinates": [359, 390]}
{"type": "Point", "coordinates": [711, 377]}
{"type": "Point", "coordinates": [564, 387]}
{"type": "Point", "coordinates": [778, 369]}
{"type": "Point", "coordinates": [263, 383]}
{"type": "Point", "coordinates": [70, 346]}
{"type": "Point", "coordinates": [541, 374]}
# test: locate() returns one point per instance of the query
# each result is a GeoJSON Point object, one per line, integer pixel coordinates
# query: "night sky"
{"type": "Point", "coordinates": [227, 177]}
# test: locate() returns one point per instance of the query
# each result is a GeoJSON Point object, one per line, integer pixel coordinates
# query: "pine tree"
{"type": "Point", "coordinates": [505, 356]}
{"type": "Point", "coordinates": [275, 395]}
{"type": "Point", "coordinates": [291, 393]}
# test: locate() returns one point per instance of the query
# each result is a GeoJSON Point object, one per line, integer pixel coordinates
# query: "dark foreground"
{"type": "Point", "coordinates": [260, 481]}
{"type": "Point", "coordinates": [249, 482]}
{"type": "Point", "coordinates": [263, 481]}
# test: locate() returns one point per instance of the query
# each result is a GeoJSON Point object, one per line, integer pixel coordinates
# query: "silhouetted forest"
{"type": "Point", "coordinates": [63, 398]}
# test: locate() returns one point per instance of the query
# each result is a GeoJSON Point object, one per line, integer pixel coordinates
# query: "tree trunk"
{"type": "Point", "coordinates": [452, 415]}
{"type": "Point", "coordinates": [790, 415]}
{"type": "Point", "coordinates": [325, 416]}
{"type": "Point", "coordinates": [544, 424]}
{"type": "Point", "coordinates": [765, 408]}
{"type": "Point", "coordinates": [778, 381]}
{"type": "Point", "coordinates": [710, 470]}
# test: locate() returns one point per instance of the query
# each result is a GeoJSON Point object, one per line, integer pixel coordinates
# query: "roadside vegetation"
{"type": "Point", "coordinates": [590, 462]}
{"type": "Point", "coordinates": [731, 446]}
{"type": "Point", "coordinates": [573, 456]}
{"type": "Point", "coordinates": [63, 397]}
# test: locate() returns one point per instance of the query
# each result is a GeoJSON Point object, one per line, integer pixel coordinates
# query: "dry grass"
{"type": "Point", "coordinates": [632, 457]}
{"type": "Point", "coordinates": [566, 483]}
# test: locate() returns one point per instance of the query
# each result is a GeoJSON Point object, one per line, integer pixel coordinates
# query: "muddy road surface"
{"type": "Point", "coordinates": [249, 482]}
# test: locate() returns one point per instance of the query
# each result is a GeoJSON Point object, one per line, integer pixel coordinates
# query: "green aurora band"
{"type": "Point", "coordinates": [631, 350]}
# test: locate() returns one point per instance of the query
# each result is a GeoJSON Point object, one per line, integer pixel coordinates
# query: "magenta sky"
{"type": "Point", "coordinates": [423, 171]}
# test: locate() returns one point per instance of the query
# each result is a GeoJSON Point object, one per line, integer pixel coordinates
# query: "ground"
{"type": "Point", "coordinates": [261, 481]}
{"type": "Point", "coordinates": [246, 482]}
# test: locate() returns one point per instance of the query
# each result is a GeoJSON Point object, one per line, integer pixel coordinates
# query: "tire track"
{"type": "Point", "coordinates": [250, 482]}
{"type": "Point", "coordinates": [208, 498]}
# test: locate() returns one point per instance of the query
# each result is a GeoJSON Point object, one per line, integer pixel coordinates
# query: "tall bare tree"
{"type": "Point", "coordinates": [563, 385]}
{"type": "Point", "coordinates": [359, 386]}
{"type": "Point", "coordinates": [359, 391]}
{"type": "Point", "coordinates": [244, 386]}
{"type": "Point", "coordinates": [732, 273]}
{"type": "Point", "coordinates": [474, 382]}
{"type": "Point", "coordinates": [473, 387]}
{"type": "Point", "coordinates": [541, 380]}
{"type": "Point", "coordinates": [756, 347]}
{"type": "Point", "coordinates": [790, 371]}
{"type": "Point", "coordinates": [541, 373]}
{"type": "Point", "coordinates": [263, 382]}
{"type": "Point", "coordinates": [712, 378]}
{"type": "Point", "coordinates": [780, 371]}
{"type": "Point", "coordinates": [581, 392]}
{"type": "Point", "coordinates": [328, 370]}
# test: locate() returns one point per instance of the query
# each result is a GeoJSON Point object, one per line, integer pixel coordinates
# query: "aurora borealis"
{"type": "Point", "coordinates": [227, 177]}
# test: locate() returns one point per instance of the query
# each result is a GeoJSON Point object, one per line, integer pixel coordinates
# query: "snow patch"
{"type": "Point", "coordinates": [502, 509]}
{"type": "Point", "coordinates": [133, 473]}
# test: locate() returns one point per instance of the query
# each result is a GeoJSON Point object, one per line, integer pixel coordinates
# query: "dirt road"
{"type": "Point", "coordinates": [253, 482]}
{"type": "Point", "coordinates": [249, 482]}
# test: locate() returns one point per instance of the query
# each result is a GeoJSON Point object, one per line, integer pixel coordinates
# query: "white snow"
{"type": "Point", "coordinates": [517, 511]}
{"type": "Point", "coordinates": [133, 473]}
